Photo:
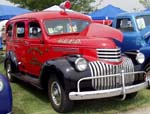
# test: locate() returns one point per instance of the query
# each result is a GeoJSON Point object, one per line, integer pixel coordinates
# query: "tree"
{"type": "Point", "coordinates": [82, 5]}
{"type": "Point", "coordinates": [145, 3]}
{"type": "Point", "coordinates": [78, 5]}
{"type": "Point", "coordinates": [97, 4]}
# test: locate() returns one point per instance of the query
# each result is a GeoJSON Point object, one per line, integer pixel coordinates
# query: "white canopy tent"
{"type": "Point", "coordinates": [2, 24]}
{"type": "Point", "coordinates": [56, 8]}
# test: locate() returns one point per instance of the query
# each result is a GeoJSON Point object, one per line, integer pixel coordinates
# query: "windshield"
{"type": "Point", "coordinates": [62, 26]}
{"type": "Point", "coordinates": [143, 21]}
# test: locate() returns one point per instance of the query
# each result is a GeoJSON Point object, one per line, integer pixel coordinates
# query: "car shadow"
{"type": "Point", "coordinates": [40, 94]}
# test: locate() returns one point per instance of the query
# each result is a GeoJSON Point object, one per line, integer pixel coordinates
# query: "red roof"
{"type": "Point", "coordinates": [52, 14]}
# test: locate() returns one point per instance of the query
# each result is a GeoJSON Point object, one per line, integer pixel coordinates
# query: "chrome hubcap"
{"type": "Point", "coordinates": [56, 93]}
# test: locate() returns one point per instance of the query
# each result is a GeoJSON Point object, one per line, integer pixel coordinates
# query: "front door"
{"type": "Point", "coordinates": [19, 43]}
{"type": "Point", "coordinates": [34, 46]}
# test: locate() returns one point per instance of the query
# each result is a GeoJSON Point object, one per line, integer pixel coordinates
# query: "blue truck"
{"type": "Point", "coordinates": [5, 96]}
{"type": "Point", "coordinates": [1, 43]}
{"type": "Point", "coordinates": [136, 30]}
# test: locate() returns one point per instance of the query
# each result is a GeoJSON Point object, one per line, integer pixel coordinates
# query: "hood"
{"type": "Point", "coordinates": [102, 31]}
{"type": "Point", "coordinates": [94, 36]}
{"type": "Point", "coordinates": [83, 41]}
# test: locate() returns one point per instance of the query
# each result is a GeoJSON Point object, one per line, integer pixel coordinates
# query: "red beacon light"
{"type": "Point", "coordinates": [65, 5]}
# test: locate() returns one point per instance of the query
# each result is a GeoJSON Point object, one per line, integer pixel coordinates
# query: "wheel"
{"type": "Point", "coordinates": [58, 97]}
{"type": "Point", "coordinates": [9, 70]}
{"type": "Point", "coordinates": [131, 95]}
{"type": "Point", "coordinates": [147, 70]}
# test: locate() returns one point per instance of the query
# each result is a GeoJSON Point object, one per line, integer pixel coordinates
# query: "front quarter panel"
{"type": "Point", "coordinates": [146, 52]}
{"type": "Point", "coordinates": [66, 72]}
{"type": "Point", "coordinates": [67, 68]}
{"type": "Point", "coordinates": [131, 41]}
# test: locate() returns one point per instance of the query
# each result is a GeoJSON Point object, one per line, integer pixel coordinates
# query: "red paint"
{"type": "Point", "coordinates": [32, 53]}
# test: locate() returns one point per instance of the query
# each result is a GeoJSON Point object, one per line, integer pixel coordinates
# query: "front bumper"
{"type": "Point", "coordinates": [108, 92]}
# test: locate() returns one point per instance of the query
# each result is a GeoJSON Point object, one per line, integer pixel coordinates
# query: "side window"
{"type": "Point", "coordinates": [140, 23]}
{"type": "Point", "coordinates": [9, 31]}
{"type": "Point", "coordinates": [20, 29]}
{"type": "Point", "coordinates": [34, 30]}
{"type": "Point", "coordinates": [125, 25]}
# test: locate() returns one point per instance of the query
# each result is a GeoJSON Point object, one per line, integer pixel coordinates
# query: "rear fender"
{"type": "Point", "coordinates": [12, 57]}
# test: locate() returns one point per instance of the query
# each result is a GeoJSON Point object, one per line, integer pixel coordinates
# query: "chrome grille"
{"type": "Point", "coordinates": [100, 69]}
{"type": "Point", "coordinates": [112, 55]}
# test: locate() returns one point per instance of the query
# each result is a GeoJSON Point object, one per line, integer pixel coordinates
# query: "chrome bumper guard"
{"type": "Point", "coordinates": [109, 92]}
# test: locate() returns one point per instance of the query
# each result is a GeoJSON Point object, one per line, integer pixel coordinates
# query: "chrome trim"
{"type": "Point", "coordinates": [123, 85]}
{"type": "Point", "coordinates": [99, 69]}
{"type": "Point", "coordinates": [112, 60]}
{"type": "Point", "coordinates": [112, 55]}
{"type": "Point", "coordinates": [106, 93]}
{"type": "Point", "coordinates": [105, 79]}
{"type": "Point", "coordinates": [116, 49]}
{"type": "Point", "coordinates": [98, 73]}
{"type": "Point", "coordinates": [101, 73]}
{"type": "Point", "coordinates": [123, 90]}
{"type": "Point", "coordinates": [110, 80]}
{"type": "Point", "coordinates": [105, 76]}
{"type": "Point", "coordinates": [108, 52]}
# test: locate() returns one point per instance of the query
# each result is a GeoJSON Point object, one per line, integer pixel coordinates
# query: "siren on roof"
{"type": "Point", "coordinates": [65, 5]}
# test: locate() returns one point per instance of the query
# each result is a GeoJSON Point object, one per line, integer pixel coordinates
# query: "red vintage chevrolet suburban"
{"type": "Point", "coordinates": [71, 57]}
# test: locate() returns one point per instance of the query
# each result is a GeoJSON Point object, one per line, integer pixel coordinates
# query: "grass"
{"type": "Point", "coordinates": [29, 100]}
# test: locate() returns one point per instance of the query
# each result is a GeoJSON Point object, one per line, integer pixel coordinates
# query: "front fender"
{"type": "Point", "coordinates": [12, 57]}
{"type": "Point", "coordinates": [65, 70]}
{"type": "Point", "coordinates": [132, 55]}
{"type": "Point", "coordinates": [146, 52]}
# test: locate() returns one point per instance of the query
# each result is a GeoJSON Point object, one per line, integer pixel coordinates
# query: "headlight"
{"type": "Point", "coordinates": [1, 85]}
{"type": "Point", "coordinates": [140, 58]}
{"type": "Point", "coordinates": [81, 64]}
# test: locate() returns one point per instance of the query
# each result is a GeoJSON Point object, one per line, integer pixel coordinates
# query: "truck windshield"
{"type": "Point", "coordinates": [143, 21]}
{"type": "Point", "coordinates": [62, 26]}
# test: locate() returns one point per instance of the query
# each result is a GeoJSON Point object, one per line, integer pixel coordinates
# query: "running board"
{"type": "Point", "coordinates": [29, 79]}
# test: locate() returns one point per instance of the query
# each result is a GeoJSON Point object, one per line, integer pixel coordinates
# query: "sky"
{"type": "Point", "coordinates": [5, 2]}
{"type": "Point", "coordinates": [126, 5]}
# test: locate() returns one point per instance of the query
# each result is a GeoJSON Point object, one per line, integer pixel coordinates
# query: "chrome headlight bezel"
{"type": "Point", "coordinates": [81, 64]}
{"type": "Point", "coordinates": [140, 58]}
{"type": "Point", "coordinates": [1, 85]}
